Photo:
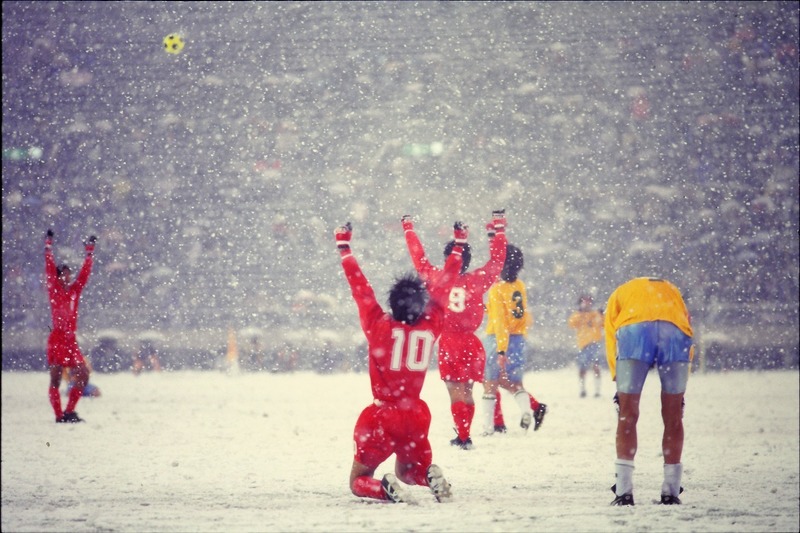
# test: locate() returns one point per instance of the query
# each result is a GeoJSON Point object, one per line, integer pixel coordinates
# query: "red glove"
{"type": "Point", "coordinates": [490, 232]}
{"type": "Point", "coordinates": [408, 224]}
{"type": "Point", "coordinates": [343, 235]}
{"type": "Point", "coordinates": [89, 243]}
{"type": "Point", "coordinates": [460, 232]}
{"type": "Point", "coordinates": [499, 219]}
{"type": "Point", "coordinates": [48, 240]}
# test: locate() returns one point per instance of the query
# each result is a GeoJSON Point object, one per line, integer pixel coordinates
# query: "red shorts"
{"type": "Point", "coordinates": [62, 349]}
{"type": "Point", "coordinates": [384, 429]}
{"type": "Point", "coordinates": [461, 357]}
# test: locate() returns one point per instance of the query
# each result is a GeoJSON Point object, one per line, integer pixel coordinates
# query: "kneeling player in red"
{"type": "Point", "coordinates": [400, 346]}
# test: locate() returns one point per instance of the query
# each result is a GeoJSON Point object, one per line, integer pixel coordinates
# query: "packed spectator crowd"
{"type": "Point", "coordinates": [620, 137]}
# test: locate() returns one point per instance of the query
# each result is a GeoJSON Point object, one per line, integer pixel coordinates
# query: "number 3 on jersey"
{"type": "Point", "coordinates": [417, 348]}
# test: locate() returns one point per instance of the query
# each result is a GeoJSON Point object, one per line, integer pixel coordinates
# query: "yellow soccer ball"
{"type": "Point", "coordinates": [173, 43]}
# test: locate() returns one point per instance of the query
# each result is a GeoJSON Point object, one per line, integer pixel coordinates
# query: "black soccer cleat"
{"type": "Point", "coordinates": [463, 444]}
{"type": "Point", "coordinates": [70, 418]}
{"type": "Point", "coordinates": [625, 499]}
{"type": "Point", "coordinates": [538, 416]}
{"type": "Point", "coordinates": [500, 428]}
{"type": "Point", "coordinates": [668, 499]}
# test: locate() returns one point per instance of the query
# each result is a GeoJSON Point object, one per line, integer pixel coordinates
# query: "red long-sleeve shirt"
{"type": "Point", "coordinates": [465, 306]}
{"type": "Point", "coordinates": [64, 301]}
{"type": "Point", "coordinates": [399, 353]}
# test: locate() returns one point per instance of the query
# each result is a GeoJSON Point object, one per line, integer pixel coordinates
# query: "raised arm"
{"type": "Point", "coordinates": [496, 231]}
{"type": "Point", "coordinates": [417, 252]}
{"type": "Point", "coordinates": [86, 269]}
{"type": "Point", "coordinates": [50, 270]}
{"type": "Point", "coordinates": [369, 309]}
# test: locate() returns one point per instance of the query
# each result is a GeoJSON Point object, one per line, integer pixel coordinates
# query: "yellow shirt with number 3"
{"type": "Point", "coordinates": [508, 312]}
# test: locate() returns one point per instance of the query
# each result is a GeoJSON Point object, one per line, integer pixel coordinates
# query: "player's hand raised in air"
{"type": "Point", "coordinates": [460, 232]}
{"type": "Point", "coordinates": [499, 219]}
{"type": "Point", "coordinates": [343, 235]}
{"type": "Point", "coordinates": [89, 244]}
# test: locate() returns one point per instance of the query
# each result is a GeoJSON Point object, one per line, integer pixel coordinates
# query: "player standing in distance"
{"type": "Point", "coordinates": [62, 345]}
{"type": "Point", "coordinates": [400, 346]}
{"type": "Point", "coordinates": [588, 326]}
{"type": "Point", "coordinates": [647, 324]}
{"type": "Point", "coordinates": [461, 354]}
{"type": "Point", "coordinates": [508, 321]}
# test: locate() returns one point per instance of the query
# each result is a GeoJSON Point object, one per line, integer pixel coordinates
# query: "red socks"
{"type": "Point", "coordinates": [498, 411]}
{"type": "Point", "coordinates": [368, 487]}
{"type": "Point", "coordinates": [55, 401]}
{"type": "Point", "coordinates": [74, 395]}
{"type": "Point", "coordinates": [462, 416]}
{"type": "Point", "coordinates": [534, 403]}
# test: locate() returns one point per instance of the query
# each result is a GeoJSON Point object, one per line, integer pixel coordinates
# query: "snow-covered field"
{"type": "Point", "coordinates": [207, 451]}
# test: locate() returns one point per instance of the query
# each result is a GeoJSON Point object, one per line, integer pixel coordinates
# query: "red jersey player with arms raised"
{"type": "Point", "coordinates": [62, 345]}
{"type": "Point", "coordinates": [400, 348]}
{"type": "Point", "coordinates": [461, 354]}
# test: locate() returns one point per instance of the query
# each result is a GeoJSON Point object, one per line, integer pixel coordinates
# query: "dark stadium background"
{"type": "Point", "coordinates": [623, 139]}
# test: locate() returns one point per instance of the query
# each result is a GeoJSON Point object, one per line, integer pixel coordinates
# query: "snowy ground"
{"type": "Point", "coordinates": [206, 451]}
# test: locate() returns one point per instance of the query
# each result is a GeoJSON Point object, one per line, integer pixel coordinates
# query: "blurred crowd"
{"type": "Point", "coordinates": [620, 138]}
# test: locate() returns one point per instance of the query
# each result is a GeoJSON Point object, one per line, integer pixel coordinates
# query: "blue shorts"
{"type": "Point", "coordinates": [646, 344]}
{"type": "Point", "coordinates": [88, 390]}
{"type": "Point", "coordinates": [515, 355]}
{"type": "Point", "coordinates": [590, 355]}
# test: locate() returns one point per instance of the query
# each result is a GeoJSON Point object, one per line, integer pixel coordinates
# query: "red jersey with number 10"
{"type": "Point", "coordinates": [399, 353]}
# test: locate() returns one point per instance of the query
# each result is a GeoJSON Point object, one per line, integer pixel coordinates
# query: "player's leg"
{"type": "Point", "coordinates": [582, 367]}
{"type": "Point", "coordinates": [414, 464]}
{"type": "Point", "coordinates": [80, 373]}
{"type": "Point", "coordinates": [412, 448]}
{"type": "Point", "coordinates": [672, 441]}
{"type": "Point", "coordinates": [631, 374]}
{"type": "Point", "coordinates": [371, 448]}
{"type": "Point", "coordinates": [462, 408]}
{"type": "Point", "coordinates": [594, 360]}
{"type": "Point", "coordinates": [56, 372]}
{"type": "Point", "coordinates": [597, 382]}
{"type": "Point", "coordinates": [57, 360]}
{"type": "Point", "coordinates": [491, 398]}
{"type": "Point", "coordinates": [498, 419]}
{"type": "Point", "coordinates": [511, 380]}
{"type": "Point", "coordinates": [674, 360]}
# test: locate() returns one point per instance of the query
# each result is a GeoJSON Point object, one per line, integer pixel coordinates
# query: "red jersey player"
{"type": "Point", "coordinates": [461, 354]}
{"type": "Point", "coordinates": [400, 346]}
{"type": "Point", "coordinates": [62, 345]}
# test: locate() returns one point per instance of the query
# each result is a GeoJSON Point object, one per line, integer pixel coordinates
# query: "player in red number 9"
{"type": "Point", "coordinates": [461, 354]}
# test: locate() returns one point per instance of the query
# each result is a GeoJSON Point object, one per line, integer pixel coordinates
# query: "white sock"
{"type": "Point", "coordinates": [672, 480]}
{"type": "Point", "coordinates": [524, 401]}
{"type": "Point", "coordinates": [597, 385]}
{"type": "Point", "coordinates": [624, 475]}
{"type": "Point", "coordinates": [488, 413]}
